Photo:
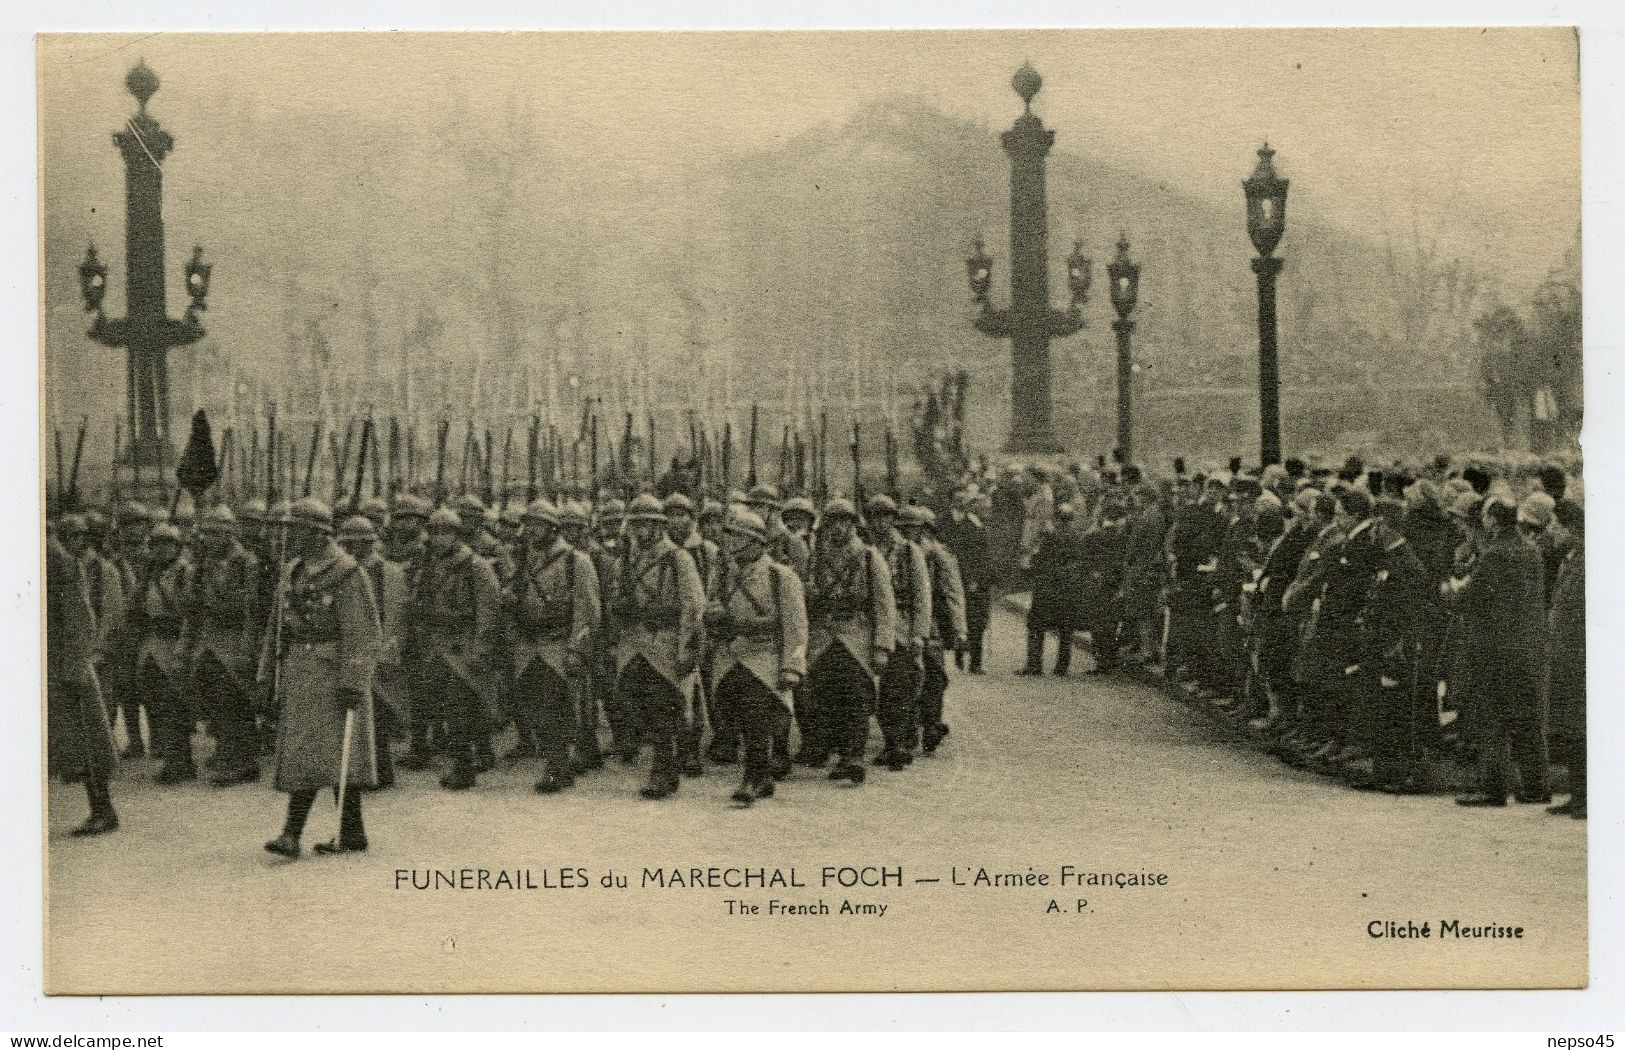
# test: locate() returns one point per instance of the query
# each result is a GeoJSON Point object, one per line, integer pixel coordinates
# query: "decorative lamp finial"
{"type": "Point", "coordinates": [141, 82]}
{"type": "Point", "coordinates": [1027, 83]}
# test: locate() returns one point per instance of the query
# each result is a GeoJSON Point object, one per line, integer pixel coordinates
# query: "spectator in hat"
{"type": "Point", "coordinates": [1567, 681]}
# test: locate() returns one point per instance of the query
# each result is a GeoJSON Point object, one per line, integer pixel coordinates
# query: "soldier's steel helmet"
{"type": "Point", "coordinates": [445, 518]}
{"type": "Point", "coordinates": [219, 520]}
{"type": "Point", "coordinates": [880, 503]}
{"type": "Point", "coordinates": [611, 510]}
{"type": "Point", "coordinates": [358, 527]}
{"type": "Point", "coordinates": [513, 514]}
{"type": "Point", "coordinates": [253, 510]}
{"type": "Point", "coordinates": [165, 533]}
{"type": "Point", "coordinates": [800, 505]}
{"type": "Point", "coordinates": [470, 505]}
{"type": "Point", "coordinates": [840, 507]}
{"type": "Point", "coordinates": [311, 512]}
{"type": "Point", "coordinates": [132, 513]}
{"type": "Point", "coordinates": [573, 515]}
{"type": "Point", "coordinates": [408, 505]}
{"type": "Point", "coordinates": [747, 523]}
{"type": "Point", "coordinates": [914, 514]}
{"type": "Point", "coordinates": [541, 512]}
{"type": "Point", "coordinates": [376, 509]}
{"type": "Point", "coordinates": [72, 524]}
{"type": "Point", "coordinates": [678, 502]}
{"type": "Point", "coordinates": [712, 509]}
{"type": "Point", "coordinates": [646, 508]}
{"type": "Point", "coordinates": [763, 495]}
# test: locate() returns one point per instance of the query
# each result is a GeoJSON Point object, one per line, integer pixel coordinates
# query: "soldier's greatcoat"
{"type": "Point", "coordinates": [850, 603]}
{"type": "Point", "coordinates": [158, 612]}
{"type": "Point", "coordinates": [911, 588]}
{"type": "Point", "coordinates": [79, 739]}
{"type": "Point", "coordinates": [948, 624]}
{"type": "Point", "coordinates": [660, 605]}
{"type": "Point", "coordinates": [454, 618]}
{"type": "Point", "coordinates": [330, 642]}
{"type": "Point", "coordinates": [555, 609]}
{"type": "Point", "coordinates": [389, 593]}
{"type": "Point", "coordinates": [221, 608]}
{"type": "Point", "coordinates": [764, 631]}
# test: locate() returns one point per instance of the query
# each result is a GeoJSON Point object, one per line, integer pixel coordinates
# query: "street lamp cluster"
{"type": "Point", "coordinates": [1030, 322]}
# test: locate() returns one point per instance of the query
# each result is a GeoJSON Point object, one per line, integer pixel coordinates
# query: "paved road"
{"type": "Point", "coordinates": [1272, 875]}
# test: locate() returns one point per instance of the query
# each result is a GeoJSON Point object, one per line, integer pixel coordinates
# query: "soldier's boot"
{"type": "Point", "coordinates": [103, 818]}
{"type": "Point", "coordinates": [386, 762]}
{"type": "Point", "coordinates": [525, 748]}
{"type": "Point", "coordinates": [461, 776]}
{"type": "Point", "coordinates": [589, 755]}
{"type": "Point", "coordinates": [485, 756]}
{"type": "Point", "coordinates": [352, 836]}
{"type": "Point", "coordinates": [557, 774]}
{"type": "Point", "coordinates": [418, 754]}
{"type": "Point", "coordinates": [137, 745]}
{"type": "Point", "coordinates": [779, 764]}
{"type": "Point", "coordinates": [976, 647]}
{"type": "Point", "coordinates": [663, 778]}
{"type": "Point", "coordinates": [1035, 653]}
{"type": "Point", "coordinates": [849, 770]}
{"type": "Point", "coordinates": [688, 744]}
{"type": "Point", "coordinates": [287, 843]}
{"type": "Point", "coordinates": [724, 749]}
{"type": "Point", "coordinates": [1063, 654]}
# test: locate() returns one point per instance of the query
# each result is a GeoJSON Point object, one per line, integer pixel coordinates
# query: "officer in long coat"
{"type": "Point", "coordinates": [852, 632]}
{"type": "Point", "coordinates": [899, 707]}
{"type": "Point", "coordinates": [660, 604]}
{"type": "Point", "coordinates": [320, 657]}
{"type": "Point", "coordinates": [223, 639]}
{"type": "Point", "coordinates": [948, 626]}
{"type": "Point", "coordinates": [757, 619]}
{"type": "Point", "coordinates": [452, 630]}
{"type": "Point", "coordinates": [1504, 609]}
{"type": "Point", "coordinates": [78, 736]}
{"type": "Point", "coordinates": [553, 612]}
{"type": "Point", "coordinates": [359, 538]}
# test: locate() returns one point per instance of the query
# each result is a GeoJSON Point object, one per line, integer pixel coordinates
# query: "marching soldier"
{"type": "Point", "coordinates": [158, 614]}
{"type": "Point", "coordinates": [799, 517]}
{"type": "Point", "coordinates": [660, 604]}
{"type": "Point", "coordinates": [553, 609]}
{"type": "Point", "coordinates": [899, 712]}
{"type": "Point", "coordinates": [757, 618]}
{"type": "Point", "coordinates": [406, 546]}
{"type": "Point", "coordinates": [222, 635]}
{"type": "Point", "coordinates": [708, 559]}
{"type": "Point", "coordinates": [453, 615]}
{"type": "Point", "coordinates": [607, 553]}
{"type": "Point", "coordinates": [786, 547]}
{"type": "Point", "coordinates": [852, 630]}
{"type": "Point", "coordinates": [359, 538]}
{"type": "Point", "coordinates": [948, 628]}
{"type": "Point", "coordinates": [120, 684]}
{"type": "Point", "coordinates": [104, 582]}
{"type": "Point", "coordinates": [320, 656]}
{"type": "Point", "coordinates": [576, 528]}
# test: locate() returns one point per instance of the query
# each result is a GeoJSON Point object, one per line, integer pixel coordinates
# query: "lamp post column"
{"type": "Point", "coordinates": [1125, 389]}
{"type": "Point", "coordinates": [1269, 369]}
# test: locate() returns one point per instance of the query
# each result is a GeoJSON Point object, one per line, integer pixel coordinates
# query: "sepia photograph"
{"type": "Point", "coordinates": [811, 511]}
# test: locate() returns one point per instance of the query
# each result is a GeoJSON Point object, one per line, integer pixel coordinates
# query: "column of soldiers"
{"type": "Point", "coordinates": [1368, 624]}
{"type": "Point", "coordinates": [320, 643]}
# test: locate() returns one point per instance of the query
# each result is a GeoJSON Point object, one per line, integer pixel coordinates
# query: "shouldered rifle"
{"type": "Point", "coordinates": [750, 479]}
{"type": "Point", "coordinates": [440, 462]}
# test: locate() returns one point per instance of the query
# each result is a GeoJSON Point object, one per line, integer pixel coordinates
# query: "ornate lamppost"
{"type": "Point", "coordinates": [1266, 221]}
{"type": "Point", "coordinates": [146, 332]}
{"type": "Point", "coordinates": [1125, 292]}
{"type": "Point", "coordinates": [1029, 322]}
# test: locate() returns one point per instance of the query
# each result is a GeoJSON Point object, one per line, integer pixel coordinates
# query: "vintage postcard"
{"type": "Point", "coordinates": [813, 511]}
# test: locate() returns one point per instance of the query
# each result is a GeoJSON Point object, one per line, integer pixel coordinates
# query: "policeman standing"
{"type": "Point", "coordinates": [320, 657]}
{"type": "Point", "coordinates": [553, 609]}
{"type": "Point", "coordinates": [852, 630]}
{"type": "Point", "coordinates": [758, 621]}
{"type": "Point", "coordinates": [660, 604]}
